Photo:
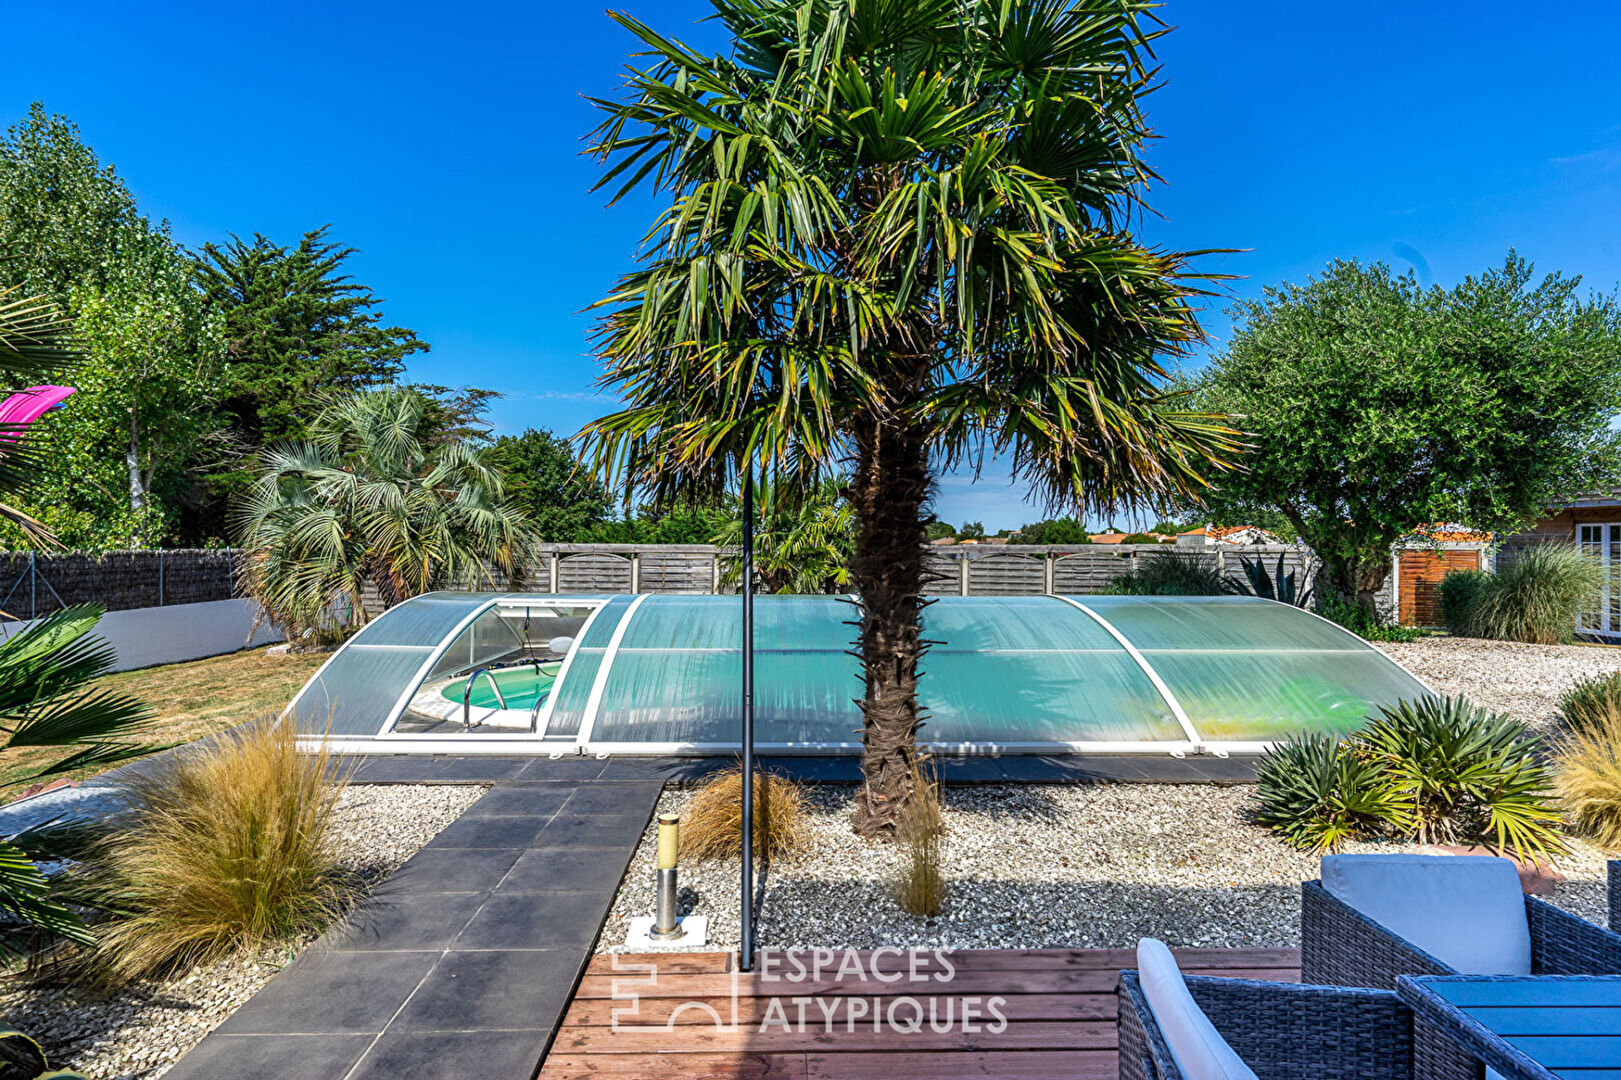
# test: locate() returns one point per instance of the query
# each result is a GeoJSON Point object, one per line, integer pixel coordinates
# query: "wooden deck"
{"type": "Point", "coordinates": [697, 1019]}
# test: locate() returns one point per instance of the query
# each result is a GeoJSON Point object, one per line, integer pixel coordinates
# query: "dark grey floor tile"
{"type": "Point", "coordinates": [569, 867]}
{"type": "Point", "coordinates": [396, 769]}
{"type": "Point", "coordinates": [537, 920]}
{"type": "Point", "coordinates": [613, 799]}
{"type": "Point", "coordinates": [490, 831]}
{"type": "Point", "coordinates": [466, 1055]}
{"type": "Point", "coordinates": [592, 830]}
{"type": "Point", "coordinates": [453, 869]}
{"type": "Point", "coordinates": [326, 992]}
{"type": "Point", "coordinates": [478, 769]}
{"type": "Point", "coordinates": [493, 990]}
{"type": "Point", "coordinates": [540, 800]}
{"type": "Point", "coordinates": [271, 1057]}
{"type": "Point", "coordinates": [570, 768]}
{"type": "Point", "coordinates": [400, 917]}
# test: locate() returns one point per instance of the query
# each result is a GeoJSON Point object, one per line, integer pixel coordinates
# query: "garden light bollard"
{"type": "Point", "coordinates": [666, 926]}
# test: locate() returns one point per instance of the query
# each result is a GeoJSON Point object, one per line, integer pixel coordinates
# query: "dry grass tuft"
{"type": "Point", "coordinates": [922, 886]}
{"type": "Point", "coordinates": [712, 822]}
{"type": "Point", "coordinates": [1589, 780]}
{"type": "Point", "coordinates": [227, 848]}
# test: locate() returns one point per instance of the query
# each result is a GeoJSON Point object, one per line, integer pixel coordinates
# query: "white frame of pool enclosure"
{"type": "Point", "coordinates": [1177, 671]}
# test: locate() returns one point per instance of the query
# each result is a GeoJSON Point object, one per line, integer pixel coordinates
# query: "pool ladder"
{"type": "Point", "coordinates": [467, 695]}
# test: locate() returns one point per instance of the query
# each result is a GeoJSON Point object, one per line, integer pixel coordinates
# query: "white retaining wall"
{"type": "Point", "coordinates": [167, 635]}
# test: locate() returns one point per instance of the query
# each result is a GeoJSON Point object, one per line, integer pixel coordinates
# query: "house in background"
{"type": "Point", "coordinates": [1593, 523]}
{"type": "Point", "coordinates": [1211, 535]}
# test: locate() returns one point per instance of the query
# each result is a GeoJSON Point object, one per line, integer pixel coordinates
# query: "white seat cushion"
{"type": "Point", "coordinates": [1200, 1051]}
{"type": "Point", "coordinates": [1465, 910]}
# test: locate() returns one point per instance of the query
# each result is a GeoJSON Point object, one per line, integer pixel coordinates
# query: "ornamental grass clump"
{"type": "Point", "coordinates": [1436, 770]}
{"type": "Point", "coordinates": [1588, 766]}
{"type": "Point", "coordinates": [1171, 573]}
{"type": "Point", "coordinates": [712, 821]}
{"type": "Point", "coordinates": [921, 888]}
{"type": "Point", "coordinates": [1534, 599]}
{"type": "Point", "coordinates": [227, 847]}
{"type": "Point", "coordinates": [1592, 704]}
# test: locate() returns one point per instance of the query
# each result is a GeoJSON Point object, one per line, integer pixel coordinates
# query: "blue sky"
{"type": "Point", "coordinates": [444, 142]}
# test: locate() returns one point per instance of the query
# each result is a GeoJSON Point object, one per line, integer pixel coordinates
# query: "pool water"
{"type": "Point", "coordinates": [521, 686]}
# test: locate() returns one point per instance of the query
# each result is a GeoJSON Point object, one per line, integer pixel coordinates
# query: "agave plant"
{"type": "Point", "coordinates": [1467, 775]}
{"type": "Point", "coordinates": [1319, 793]}
{"type": "Point", "coordinates": [1284, 587]}
{"type": "Point", "coordinates": [379, 497]}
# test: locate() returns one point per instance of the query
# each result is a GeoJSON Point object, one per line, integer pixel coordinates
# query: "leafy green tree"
{"type": "Point", "coordinates": [939, 530]}
{"type": "Point", "coordinates": [1064, 530]}
{"type": "Point", "coordinates": [375, 498]}
{"type": "Point", "coordinates": [971, 530]}
{"type": "Point", "coordinates": [546, 480]}
{"type": "Point", "coordinates": [679, 523]}
{"type": "Point", "coordinates": [896, 236]}
{"type": "Point", "coordinates": [803, 541]}
{"type": "Point", "coordinates": [296, 324]}
{"type": "Point", "coordinates": [1377, 405]}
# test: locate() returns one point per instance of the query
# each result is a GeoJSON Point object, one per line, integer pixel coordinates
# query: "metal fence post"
{"type": "Point", "coordinates": [635, 572]}
{"type": "Point", "coordinates": [1049, 561]}
{"type": "Point", "coordinates": [33, 588]}
{"type": "Point", "coordinates": [962, 574]}
{"type": "Point", "coordinates": [160, 577]}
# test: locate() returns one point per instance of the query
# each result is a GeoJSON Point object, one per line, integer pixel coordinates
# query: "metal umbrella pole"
{"type": "Point", "coordinates": [746, 926]}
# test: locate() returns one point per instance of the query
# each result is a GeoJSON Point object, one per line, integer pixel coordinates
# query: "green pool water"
{"type": "Point", "coordinates": [521, 686]}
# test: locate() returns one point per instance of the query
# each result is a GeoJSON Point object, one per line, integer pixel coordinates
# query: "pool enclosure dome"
{"type": "Point", "coordinates": [659, 674]}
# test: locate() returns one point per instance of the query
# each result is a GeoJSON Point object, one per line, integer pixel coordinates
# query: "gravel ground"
{"type": "Point", "coordinates": [139, 1031]}
{"type": "Point", "coordinates": [1524, 681]}
{"type": "Point", "coordinates": [1037, 867]}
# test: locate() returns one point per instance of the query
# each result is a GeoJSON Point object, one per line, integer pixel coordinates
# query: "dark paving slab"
{"type": "Point", "coordinates": [272, 1057]}
{"type": "Point", "coordinates": [461, 963]}
{"type": "Point", "coordinates": [461, 1055]}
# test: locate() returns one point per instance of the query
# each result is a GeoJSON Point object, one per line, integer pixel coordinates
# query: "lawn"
{"type": "Point", "coordinates": [190, 700]}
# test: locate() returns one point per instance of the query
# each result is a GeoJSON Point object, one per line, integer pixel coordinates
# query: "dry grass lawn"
{"type": "Point", "coordinates": [190, 700]}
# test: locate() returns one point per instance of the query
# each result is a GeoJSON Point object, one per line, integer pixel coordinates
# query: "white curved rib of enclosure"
{"type": "Point", "coordinates": [593, 703]}
{"type": "Point", "coordinates": [1147, 669]}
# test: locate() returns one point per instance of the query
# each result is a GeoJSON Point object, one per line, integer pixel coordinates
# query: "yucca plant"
{"type": "Point", "coordinates": [895, 235]}
{"type": "Point", "coordinates": [1467, 775]}
{"type": "Point", "coordinates": [1592, 703]}
{"type": "Point", "coordinates": [1283, 585]}
{"type": "Point", "coordinates": [1319, 793]}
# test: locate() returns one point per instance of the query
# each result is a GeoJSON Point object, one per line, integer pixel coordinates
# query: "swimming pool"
{"type": "Point", "coordinates": [521, 687]}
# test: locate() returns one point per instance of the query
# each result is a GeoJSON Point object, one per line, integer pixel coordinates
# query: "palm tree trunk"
{"type": "Point", "coordinates": [887, 492]}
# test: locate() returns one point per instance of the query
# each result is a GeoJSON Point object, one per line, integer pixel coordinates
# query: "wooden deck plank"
{"type": "Point", "coordinates": [560, 1066]}
{"type": "Point", "coordinates": [771, 1039]}
{"type": "Point", "coordinates": [1020, 1065]}
{"type": "Point", "coordinates": [751, 1011]}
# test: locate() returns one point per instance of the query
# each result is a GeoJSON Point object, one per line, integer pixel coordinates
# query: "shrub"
{"type": "Point", "coordinates": [1171, 573]}
{"type": "Point", "coordinates": [1357, 619]}
{"type": "Point", "coordinates": [1318, 793]}
{"type": "Point", "coordinates": [1468, 776]}
{"type": "Point", "coordinates": [712, 823]}
{"type": "Point", "coordinates": [226, 848]}
{"type": "Point", "coordinates": [1589, 779]}
{"type": "Point", "coordinates": [1437, 770]}
{"type": "Point", "coordinates": [1592, 704]}
{"type": "Point", "coordinates": [922, 886]}
{"type": "Point", "coordinates": [1283, 585]}
{"type": "Point", "coordinates": [1535, 598]}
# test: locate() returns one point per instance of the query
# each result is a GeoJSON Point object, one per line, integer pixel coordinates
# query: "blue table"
{"type": "Point", "coordinates": [1524, 1027]}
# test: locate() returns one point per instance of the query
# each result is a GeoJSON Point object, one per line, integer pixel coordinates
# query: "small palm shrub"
{"type": "Point", "coordinates": [1357, 619]}
{"type": "Point", "coordinates": [1534, 599]}
{"type": "Point", "coordinates": [226, 848]}
{"type": "Point", "coordinates": [712, 822]}
{"type": "Point", "coordinates": [1588, 767]}
{"type": "Point", "coordinates": [1171, 573]}
{"type": "Point", "coordinates": [921, 889]}
{"type": "Point", "coordinates": [1318, 793]}
{"type": "Point", "coordinates": [1592, 704]}
{"type": "Point", "coordinates": [1436, 770]}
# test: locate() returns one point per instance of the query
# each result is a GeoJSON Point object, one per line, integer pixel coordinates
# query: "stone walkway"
{"type": "Point", "coordinates": [461, 963]}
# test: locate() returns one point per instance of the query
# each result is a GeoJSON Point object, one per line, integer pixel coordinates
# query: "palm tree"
{"type": "Point", "coordinates": [381, 496]}
{"type": "Point", "coordinates": [897, 241]}
{"type": "Point", "coordinates": [803, 539]}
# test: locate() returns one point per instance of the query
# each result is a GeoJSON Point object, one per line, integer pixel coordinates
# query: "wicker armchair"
{"type": "Point", "coordinates": [1281, 1030]}
{"type": "Point", "coordinates": [1340, 946]}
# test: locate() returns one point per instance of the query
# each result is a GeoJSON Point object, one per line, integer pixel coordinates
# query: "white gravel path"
{"type": "Point", "coordinates": [1524, 681]}
{"type": "Point", "coordinates": [139, 1031]}
{"type": "Point", "coordinates": [1037, 867]}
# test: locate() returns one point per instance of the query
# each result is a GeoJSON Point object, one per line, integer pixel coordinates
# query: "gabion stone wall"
{"type": "Point", "coordinates": [38, 584]}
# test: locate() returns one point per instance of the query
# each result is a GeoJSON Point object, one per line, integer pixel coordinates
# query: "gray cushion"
{"type": "Point", "coordinates": [1465, 910]}
{"type": "Point", "coordinates": [1200, 1051]}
